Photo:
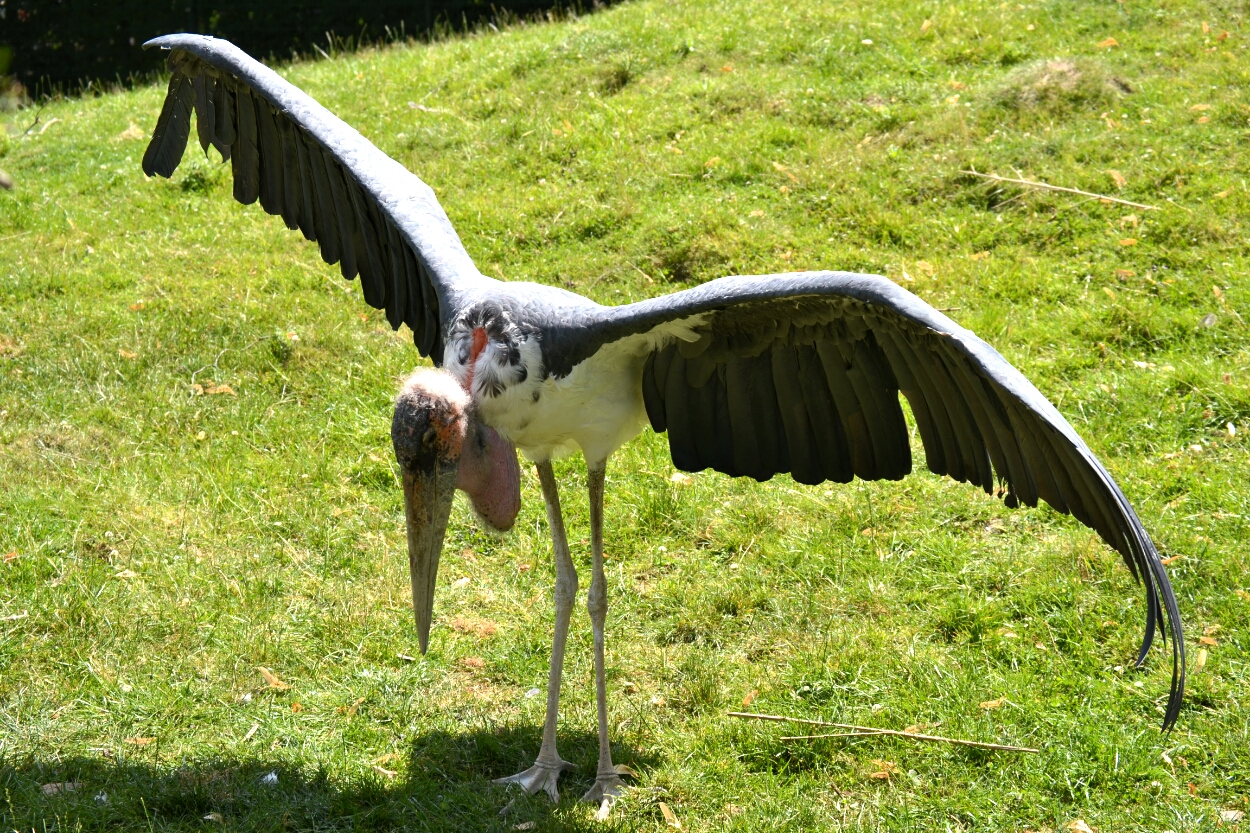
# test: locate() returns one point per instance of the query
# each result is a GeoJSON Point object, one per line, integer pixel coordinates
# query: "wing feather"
{"type": "Point", "coordinates": [245, 152]}
{"type": "Point", "coordinates": [307, 187]}
{"type": "Point", "coordinates": [1035, 448]}
{"type": "Point", "coordinates": [292, 181]}
{"type": "Point", "coordinates": [681, 428]}
{"type": "Point", "coordinates": [771, 437]}
{"type": "Point", "coordinates": [813, 367]}
{"type": "Point", "coordinates": [966, 444]}
{"type": "Point", "coordinates": [431, 344]}
{"type": "Point", "coordinates": [1004, 447]}
{"type": "Point", "coordinates": [877, 389]}
{"type": "Point", "coordinates": [699, 369]}
{"type": "Point", "coordinates": [205, 119]}
{"type": "Point", "coordinates": [702, 402]}
{"type": "Point", "coordinates": [345, 217]}
{"type": "Point", "coordinates": [321, 177]}
{"type": "Point", "coordinates": [271, 185]}
{"type": "Point", "coordinates": [850, 409]}
{"type": "Point", "coordinates": [398, 277]}
{"type": "Point", "coordinates": [654, 376]}
{"type": "Point", "coordinates": [223, 113]}
{"type": "Point", "coordinates": [748, 455]}
{"type": "Point", "coordinates": [931, 378]}
{"type": "Point", "coordinates": [169, 139]}
{"type": "Point", "coordinates": [327, 223]}
{"type": "Point", "coordinates": [930, 414]}
{"type": "Point", "coordinates": [723, 426]}
{"type": "Point", "coordinates": [371, 273]}
{"type": "Point", "coordinates": [1000, 444]}
{"type": "Point", "coordinates": [792, 406]}
{"type": "Point", "coordinates": [831, 439]}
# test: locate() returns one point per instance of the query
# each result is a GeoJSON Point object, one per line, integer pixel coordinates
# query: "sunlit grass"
{"type": "Point", "coordinates": [165, 541]}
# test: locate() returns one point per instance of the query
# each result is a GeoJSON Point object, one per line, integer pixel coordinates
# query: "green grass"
{"type": "Point", "coordinates": [166, 541]}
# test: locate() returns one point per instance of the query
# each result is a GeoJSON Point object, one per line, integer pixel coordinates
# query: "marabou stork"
{"type": "Point", "coordinates": [750, 376]}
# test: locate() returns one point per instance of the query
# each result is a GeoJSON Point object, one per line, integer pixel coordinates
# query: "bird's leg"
{"type": "Point", "coordinates": [608, 784]}
{"type": "Point", "coordinates": [545, 772]}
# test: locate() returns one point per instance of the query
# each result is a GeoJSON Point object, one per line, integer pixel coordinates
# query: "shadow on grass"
{"type": "Point", "coordinates": [447, 787]}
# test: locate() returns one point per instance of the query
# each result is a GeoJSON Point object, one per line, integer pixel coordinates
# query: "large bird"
{"type": "Point", "coordinates": [750, 376]}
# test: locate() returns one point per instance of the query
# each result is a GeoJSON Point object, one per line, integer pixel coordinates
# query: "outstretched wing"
{"type": "Point", "coordinates": [368, 212]}
{"type": "Point", "coordinates": [801, 373]}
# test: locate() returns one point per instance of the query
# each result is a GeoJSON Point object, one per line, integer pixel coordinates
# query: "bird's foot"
{"type": "Point", "coordinates": [608, 787]}
{"type": "Point", "coordinates": [543, 775]}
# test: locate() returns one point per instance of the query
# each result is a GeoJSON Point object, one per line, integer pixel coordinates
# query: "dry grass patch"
{"type": "Point", "coordinates": [1060, 86]}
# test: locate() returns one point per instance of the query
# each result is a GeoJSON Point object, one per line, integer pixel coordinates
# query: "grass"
{"type": "Point", "coordinates": [165, 538]}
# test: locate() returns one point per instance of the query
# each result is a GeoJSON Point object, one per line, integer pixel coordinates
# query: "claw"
{"type": "Point", "coordinates": [606, 790]}
{"type": "Point", "coordinates": [543, 775]}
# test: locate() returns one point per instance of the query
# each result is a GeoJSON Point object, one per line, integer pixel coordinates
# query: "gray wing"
{"type": "Point", "coordinates": [368, 212]}
{"type": "Point", "coordinates": [801, 373]}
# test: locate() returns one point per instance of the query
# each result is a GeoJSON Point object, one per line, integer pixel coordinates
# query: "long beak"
{"type": "Point", "coordinates": [427, 508]}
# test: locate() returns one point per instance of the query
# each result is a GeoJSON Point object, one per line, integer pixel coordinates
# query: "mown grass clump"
{"type": "Point", "coordinates": [196, 478]}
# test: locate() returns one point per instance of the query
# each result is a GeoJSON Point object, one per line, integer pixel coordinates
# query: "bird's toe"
{"type": "Point", "coordinates": [606, 790]}
{"type": "Point", "coordinates": [543, 775]}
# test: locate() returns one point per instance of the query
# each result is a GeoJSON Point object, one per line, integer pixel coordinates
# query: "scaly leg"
{"type": "Point", "coordinates": [608, 784]}
{"type": "Point", "coordinates": [545, 772]}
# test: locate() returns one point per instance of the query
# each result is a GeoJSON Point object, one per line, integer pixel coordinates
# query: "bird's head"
{"type": "Point", "coordinates": [440, 446]}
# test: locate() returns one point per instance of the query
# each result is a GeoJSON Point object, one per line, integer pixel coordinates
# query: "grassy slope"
{"type": "Point", "coordinates": [167, 543]}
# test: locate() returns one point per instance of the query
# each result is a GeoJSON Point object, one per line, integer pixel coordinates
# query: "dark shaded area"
{"type": "Point", "coordinates": [447, 787]}
{"type": "Point", "coordinates": [66, 45]}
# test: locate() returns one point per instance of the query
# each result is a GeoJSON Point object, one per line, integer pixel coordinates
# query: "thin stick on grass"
{"type": "Point", "coordinates": [833, 735]}
{"type": "Point", "coordinates": [1045, 186]}
{"type": "Point", "coordinates": [861, 731]}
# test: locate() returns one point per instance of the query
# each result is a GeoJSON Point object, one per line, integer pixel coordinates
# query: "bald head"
{"type": "Point", "coordinates": [431, 421]}
{"type": "Point", "coordinates": [436, 425]}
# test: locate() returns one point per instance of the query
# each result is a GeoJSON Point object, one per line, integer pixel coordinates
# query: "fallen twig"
{"type": "Point", "coordinates": [833, 735]}
{"type": "Point", "coordinates": [38, 113]}
{"type": "Point", "coordinates": [859, 731]}
{"type": "Point", "coordinates": [1048, 187]}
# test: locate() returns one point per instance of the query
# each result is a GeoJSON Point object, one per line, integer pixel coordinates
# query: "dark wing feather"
{"type": "Point", "coordinates": [271, 185]}
{"type": "Point", "coordinates": [792, 406]}
{"type": "Point", "coordinates": [327, 217]}
{"type": "Point", "coordinates": [653, 380]}
{"type": "Point", "coordinates": [398, 278]}
{"type": "Point", "coordinates": [223, 125]}
{"type": "Point", "coordinates": [704, 404]}
{"type": "Point", "coordinates": [307, 184]}
{"type": "Point", "coordinates": [245, 152]}
{"type": "Point", "coordinates": [805, 371]}
{"type": "Point", "coordinates": [367, 212]}
{"type": "Point", "coordinates": [855, 425]}
{"type": "Point", "coordinates": [829, 434]}
{"type": "Point", "coordinates": [205, 117]}
{"type": "Point", "coordinates": [345, 217]}
{"type": "Point", "coordinates": [681, 425]}
{"type": "Point", "coordinates": [372, 278]}
{"type": "Point", "coordinates": [292, 184]}
{"type": "Point", "coordinates": [913, 383]}
{"type": "Point", "coordinates": [169, 139]}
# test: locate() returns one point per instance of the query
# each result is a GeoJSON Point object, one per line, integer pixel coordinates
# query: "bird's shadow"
{"type": "Point", "coordinates": [444, 785]}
